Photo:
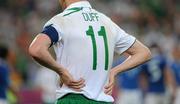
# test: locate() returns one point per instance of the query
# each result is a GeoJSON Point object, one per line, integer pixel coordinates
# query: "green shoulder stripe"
{"type": "Point", "coordinates": [73, 10]}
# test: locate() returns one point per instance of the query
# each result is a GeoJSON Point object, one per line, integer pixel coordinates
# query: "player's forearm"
{"type": "Point", "coordinates": [45, 59]}
{"type": "Point", "coordinates": [39, 51]}
{"type": "Point", "coordinates": [130, 63]}
{"type": "Point", "coordinates": [138, 55]}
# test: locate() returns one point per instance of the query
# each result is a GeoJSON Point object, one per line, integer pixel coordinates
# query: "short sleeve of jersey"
{"type": "Point", "coordinates": [123, 40]}
{"type": "Point", "coordinates": [53, 30]}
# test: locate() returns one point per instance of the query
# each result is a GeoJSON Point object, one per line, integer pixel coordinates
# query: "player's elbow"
{"type": "Point", "coordinates": [146, 53]}
{"type": "Point", "coordinates": [34, 51]}
{"type": "Point", "coordinates": [141, 51]}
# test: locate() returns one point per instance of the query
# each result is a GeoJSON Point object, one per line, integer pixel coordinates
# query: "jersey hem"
{"type": "Point", "coordinates": [59, 96]}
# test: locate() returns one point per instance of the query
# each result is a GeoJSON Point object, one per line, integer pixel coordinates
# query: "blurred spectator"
{"type": "Point", "coordinates": [175, 65]}
{"type": "Point", "coordinates": [5, 84]}
{"type": "Point", "coordinates": [46, 80]}
{"type": "Point", "coordinates": [158, 77]}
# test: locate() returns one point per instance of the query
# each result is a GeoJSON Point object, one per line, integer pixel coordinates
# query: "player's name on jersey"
{"type": "Point", "coordinates": [90, 16]}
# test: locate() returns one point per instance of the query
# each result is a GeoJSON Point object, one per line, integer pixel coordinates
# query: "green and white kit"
{"type": "Point", "coordinates": [87, 42]}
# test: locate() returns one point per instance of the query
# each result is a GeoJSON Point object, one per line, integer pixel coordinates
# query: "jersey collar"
{"type": "Point", "coordinates": [79, 4]}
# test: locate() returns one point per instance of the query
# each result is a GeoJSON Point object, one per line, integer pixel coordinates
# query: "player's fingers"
{"type": "Point", "coordinates": [109, 85]}
{"type": "Point", "coordinates": [111, 82]}
{"type": "Point", "coordinates": [77, 87]}
{"type": "Point", "coordinates": [77, 83]}
{"type": "Point", "coordinates": [109, 90]}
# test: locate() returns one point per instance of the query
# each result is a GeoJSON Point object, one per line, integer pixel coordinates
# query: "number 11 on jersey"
{"type": "Point", "coordinates": [102, 33]}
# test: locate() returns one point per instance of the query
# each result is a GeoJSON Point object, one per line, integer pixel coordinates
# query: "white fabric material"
{"type": "Point", "coordinates": [177, 100]}
{"type": "Point", "coordinates": [47, 79]}
{"type": "Point", "coordinates": [75, 50]}
{"type": "Point", "coordinates": [153, 98]}
{"type": "Point", "coordinates": [2, 101]}
{"type": "Point", "coordinates": [129, 97]}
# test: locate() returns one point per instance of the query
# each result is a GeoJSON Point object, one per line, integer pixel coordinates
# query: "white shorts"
{"type": "Point", "coordinates": [177, 100]}
{"type": "Point", "coordinates": [152, 98]}
{"type": "Point", "coordinates": [2, 101]}
{"type": "Point", "coordinates": [129, 97]}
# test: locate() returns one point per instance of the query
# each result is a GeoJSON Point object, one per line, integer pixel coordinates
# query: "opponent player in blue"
{"type": "Point", "coordinates": [157, 74]}
{"type": "Point", "coordinates": [4, 75]}
{"type": "Point", "coordinates": [175, 66]}
{"type": "Point", "coordinates": [128, 85]}
{"type": "Point", "coordinates": [5, 84]}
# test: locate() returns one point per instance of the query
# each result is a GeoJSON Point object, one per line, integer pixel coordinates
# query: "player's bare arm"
{"type": "Point", "coordinates": [39, 50]}
{"type": "Point", "coordinates": [139, 54]}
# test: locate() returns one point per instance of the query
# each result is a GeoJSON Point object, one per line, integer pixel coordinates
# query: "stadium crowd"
{"type": "Point", "coordinates": [154, 22]}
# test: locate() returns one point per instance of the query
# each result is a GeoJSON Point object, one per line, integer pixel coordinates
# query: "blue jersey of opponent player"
{"type": "Point", "coordinates": [4, 78]}
{"type": "Point", "coordinates": [154, 71]}
{"type": "Point", "coordinates": [175, 66]}
{"type": "Point", "coordinates": [128, 80]}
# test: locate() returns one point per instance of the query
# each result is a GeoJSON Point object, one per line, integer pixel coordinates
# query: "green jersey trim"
{"type": "Point", "coordinates": [73, 10]}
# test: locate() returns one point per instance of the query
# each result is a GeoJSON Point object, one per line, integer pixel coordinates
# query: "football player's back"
{"type": "Point", "coordinates": [86, 34]}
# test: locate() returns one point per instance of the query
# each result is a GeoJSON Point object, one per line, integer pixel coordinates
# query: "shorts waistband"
{"type": "Point", "coordinates": [73, 96]}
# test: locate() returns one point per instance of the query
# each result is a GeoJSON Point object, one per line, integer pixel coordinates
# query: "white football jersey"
{"type": "Point", "coordinates": [86, 45]}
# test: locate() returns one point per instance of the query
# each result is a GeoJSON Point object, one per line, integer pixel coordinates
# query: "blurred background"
{"type": "Point", "coordinates": [154, 22]}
